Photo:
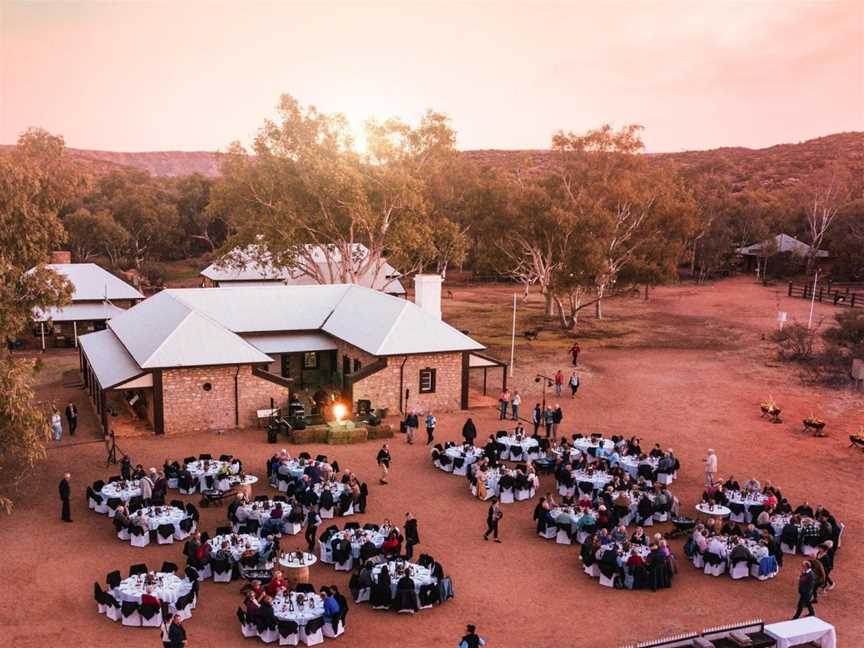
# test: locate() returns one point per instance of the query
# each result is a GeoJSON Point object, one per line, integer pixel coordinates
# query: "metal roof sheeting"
{"type": "Point", "coordinates": [778, 244]}
{"type": "Point", "coordinates": [108, 359]}
{"type": "Point", "coordinates": [291, 342]}
{"type": "Point", "coordinates": [93, 283]}
{"type": "Point", "coordinates": [78, 312]}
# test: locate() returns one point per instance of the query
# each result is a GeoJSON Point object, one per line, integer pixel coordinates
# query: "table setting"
{"type": "Point", "coordinates": [398, 567]}
{"type": "Point", "coordinates": [357, 538]}
{"type": "Point", "coordinates": [124, 490]}
{"type": "Point", "coordinates": [166, 587]}
{"type": "Point", "coordinates": [238, 544]}
{"type": "Point", "coordinates": [530, 447]}
{"type": "Point", "coordinates": [152, 517]}
{"type": "Point", "coordinates": [298, 607]}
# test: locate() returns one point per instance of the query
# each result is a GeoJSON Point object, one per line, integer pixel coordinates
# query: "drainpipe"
{"type": "Point", "coordinates": [402, 382]}
{"type": "Point", "coordinates": [237, 398]}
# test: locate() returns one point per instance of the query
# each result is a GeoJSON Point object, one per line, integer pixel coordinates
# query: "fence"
{"type": "Point", "coordinates": [839, 296]}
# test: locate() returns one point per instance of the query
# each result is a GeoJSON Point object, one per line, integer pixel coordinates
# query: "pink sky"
{"type": "Point", "coordinates": [195, 76]}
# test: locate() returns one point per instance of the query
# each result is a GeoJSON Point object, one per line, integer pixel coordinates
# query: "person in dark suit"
{"type": "Point", "coordinates": [72, 418]}
{"type": "Point", "coordinates": [312, 522]}
{"type": "Point", "coordinates": [493, 517]}
{"type": "Point", "coordinates": [65, 491]}
{"type": "Point", "coordinates": [806, 587]}
{"type": "Point", "coordinates": [412, 536]}
{"type": "Point", "coordinates": [176, 634]}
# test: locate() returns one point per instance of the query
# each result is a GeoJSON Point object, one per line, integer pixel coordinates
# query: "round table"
{"type": "Point", "coordinates": [357, 538]}
{"type": "Point", "coordinates": [286, 607]}
{"type": "Point", "coordinates": [529, 446]}
{"type": "Point", "coordinates": [166, 587]}
{"type": "Point", "coordinates": [419, 574]}
{"type": "Point", "coordinates": [583, 443]}
{"type": "Point", "coordinates": [238, 544]}
{"type": "Point", "coordinates": [152, 517]}
{"type": "Point", "coordinates": [261, 510]}
{"type": "Point", "coordinates": [297, 570]}
{"type": "Point", "coordinates": [122, 490]}
{"type": "Point", "coordinates": [203, 468]}
{"type": "Point", "coordinates": [597, 479]}
{"type": "Point", "coordinates": [296, 467]}
{"type": "Point", "coordinates": [715, 510]}
{"type": "Point", "coordinates": [472, 454]}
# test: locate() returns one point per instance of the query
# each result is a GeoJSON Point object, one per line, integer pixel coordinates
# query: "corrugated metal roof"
{"type": "Point", "coordinates": [108, 359]}
{"type": "Point", "coordinates": [291, 342]}
{"type": "Point", "coordinates": [78, 312]}
{"type": "Point", "coordinates": [94, 283]}
{"type": "Point", "coordinates": [778, 244]}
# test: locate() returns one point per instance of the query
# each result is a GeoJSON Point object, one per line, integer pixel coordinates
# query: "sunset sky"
{"type": "Point", "coordinates": [185, 75]}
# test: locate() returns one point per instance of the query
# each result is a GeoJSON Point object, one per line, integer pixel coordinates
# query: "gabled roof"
{"type": "Point", "coordinates": [78, 311]}
{"type": "Point", "coordinates": [203, 326]}
{"type": "Point", "coordinates": [164, 332]}
{"type": "Point", "coordinates": [94, 283]}
{"type": "Point", "coordinates": [242, 265]}
{"type": "Point", "coordinates": [109, 360]}
{"type": "Point", "coordinates": [778, 244]}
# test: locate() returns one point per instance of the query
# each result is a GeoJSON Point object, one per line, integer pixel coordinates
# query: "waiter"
{"type": "Point", "coordinates": [65, 491]}
{"type": "Point", "coordinates": [72, 417]}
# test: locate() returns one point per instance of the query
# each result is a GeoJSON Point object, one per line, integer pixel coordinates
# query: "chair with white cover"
{"type": "Point", "coordinates": [99, 596]}
{"type": "Point", "coordinates": [289, 633]}
{"type": "Point", "coordinates": [549, 533]}
{"type": "Point", "coordinates": [593, 571]}
{"type": "Point", "coordinates": [344, 566]}
{"type": "Point", "coordinates": [665, 478]}
{"type": "Point", "coordinates": [188, 486]}
{"type": "Point", "coordinates": [739, 513]}
{"type": "Point", "coordinates": [713, 567]}
{"type": "Point", "coordinates": [101, 504]}
{"type": "Point", "coordinates": [129, 614]}
{"type": "Point", "coordinates": [222, 571]}
{"type": "Point", "coordinates": [247, 628]}
{"type": "Point", "coordinates": [506, 495]}
{"type": "Point", "coordinates": [333, 629]}
{"type": "Point", "coordinates": [112, 607]}
{"type": "Point", "coordinates": [326, 513]}
{"type": "Point", "coordinates": [292, 528]}
{"type": "Point", "coordinates": [581, 537]}
{"type": "Point", "coordinates": [312, 633]}
{"type": "Point", "coordinates": [363, 595]}
{"type": "Point", "coordinates": [606, 581]}
{"type": "Point", "coordinates": [809, 550]}
{"type": "Point", "coordinates": [698, 561]}
{"type": "Point", "coordinates": [787, 549]}
{"type": "Point", "coordinates": [184, 528]}
{"type": "Point", "coordinates": [523, 494]}
{"type": "Point", "coordinates": [325, 555]}
{"type": "Point", "coordinates": [460, 466]}
{"type": "Point", "coordinates": [740, 570]}
{"type": "Point", "coordinates": [349, 510]}
{"type": "Point", "coordinates": [223, 484]}
{"type": "Point", "coordinates": [139, 536]}
{"type": "Point", "coordinates": [183, 605]}
{"type": "Point", "coordinates": [562, 537]}
{"type": "Point", "coordinates": [566, 491]}
{"type": "Point", "coordinates": [267, 634]}
{"type": "Point", "coordinates": [151, 615]}
{"type": "Point", "coordinates": [661, 516]}
{"type": "Point", "coordinates": [165, 534]}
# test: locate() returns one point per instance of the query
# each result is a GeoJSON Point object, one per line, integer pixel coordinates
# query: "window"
{"type": "Point", "coordinates": [357, 365]}
{"type": "Point", "coordinates": [310, 360]}
{"type": "Point", "coordinates": [427, 381]}
{"type": "Point", "coordinates": [286, 365]}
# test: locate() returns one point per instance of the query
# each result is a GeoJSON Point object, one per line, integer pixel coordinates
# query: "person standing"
{"type": "Point", "coordinates": [56, 425]}
{"type": "Point", "coordinates": [537, 417]}
{"type": "Point", "coordinates": [469, 432]}
{"type": "Point", "coordinates": [806, 587]}
{"type": "Point", "coordinates": [471, 639]}
{"type": "Point", "coordinates": [412, 536]}
{"type": "Point", "coordinates": [574, 384]}
{"type": "Point", "coordinates": [503, 401]}
{"type": "Point", "coordinates": [574, 353]}
{"type": "Point", "coordinates": [493, 517]}
{"type": "Point", "coordinates": [559, 382]}
{"type": "Point", "coordinates": [383, 460]}
{"type": "Point", "coordinates": [65, 492]}
{"type": "Point", "coordinates": [312, 522]}
{"type": "Point", "coordinates": [146, 486]}
{"type": "Point", "coordinates": [431, 422]}
{"type": "Point", "coordinates": [173, 633]}
{"type": "Point", "coordinates": [412, 422]}
{"type": "Point", "coordinates": [126, 468]}
{"type": "Point", "coordinates": [515, 402]}
{"type": "Point", "coordinates": [72, 417]}
{"type": "Point", "coordinates": [548, 420]}
{"type": "Point", "coordinates": [710, 467]}
{"type": "Point", "coordinates": [557, 417]}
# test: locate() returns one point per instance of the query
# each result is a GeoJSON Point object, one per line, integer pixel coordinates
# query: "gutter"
{"type": "Point", "coordinates": [237, 398]}
{"type": "Point", "coordinates": [402, 382]}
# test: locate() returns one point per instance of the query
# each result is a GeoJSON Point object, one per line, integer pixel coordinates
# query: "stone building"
{"type": "Point", "coordinates": [210, 359]}
{"type": "Point", "coordinates": [97, 297]}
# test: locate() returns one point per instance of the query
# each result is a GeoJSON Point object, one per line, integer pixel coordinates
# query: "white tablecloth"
{"type": "Point", "coordinates": [245, 542]}
{"type": "Point", "coordinates": [124, 490]}
{"type": "Point", "coordinates": [202, 469]}
{"type": "Point", "coordinates": [583, 443]}
{"type": "Point", "coordinates": [598, 479]}
{"type": "Point", "coordinates": [631, 464]}
{"type": "Point", "coordinates": [707, 509]}
{"type": "Point", "coordinates": [261, 511]}
{"type": "Point", "coordinates": [313, 608]}
{"type": "Point", "coordinates": [167, 588]}
{"type": "Point", "coordinates": [471, 455]}
{"type": "Point", "coordinates": [335, 488]}
{"type": "Point", "coordinates": [801, 631]}
{"type": "Point", "coordinates": [420, 575]}
{"type": "Point", "coordinates": [290, 561]}
{"type": "Point", "coordinates": [529, 446]}
{"type": "Point", "coordinates": [150, 520]}
{"type": "Point", "coordinates": [295, 467]}
{"type": "Point", "coordinates": [358, 538]}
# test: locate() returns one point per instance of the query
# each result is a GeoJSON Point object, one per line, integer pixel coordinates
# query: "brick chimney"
{"type": "Point", "coordinates": [61, 256]}
{"type": "Point", "coordinates": [427, 293]}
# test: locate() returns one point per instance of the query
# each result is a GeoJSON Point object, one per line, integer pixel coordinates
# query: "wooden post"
{"type": "Point", "coordinates": [790, 288]}
{"type": "Point", "coordinates": [42, 329]}
{"type": "Point", "coordinates": [75, 332]}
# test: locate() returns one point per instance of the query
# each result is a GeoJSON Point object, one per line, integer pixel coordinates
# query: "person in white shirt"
{"type": "Point", "coordinates": [710, 467]}
{"type": "Point", "coordinates": [515, 402]}
{"type": "Point", "coordinates": [716, 547]}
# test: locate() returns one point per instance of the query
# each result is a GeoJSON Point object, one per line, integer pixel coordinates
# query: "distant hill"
{"type": "Point", "coordinates": [771, 168]}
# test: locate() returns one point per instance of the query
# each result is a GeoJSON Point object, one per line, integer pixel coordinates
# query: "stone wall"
{"type": "Point", "coordinates": [382, 387]}
{"type": "Point", "coordinates": [188, 407]}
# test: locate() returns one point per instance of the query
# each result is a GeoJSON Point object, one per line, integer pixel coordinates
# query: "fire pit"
{"type": "Point", "coordinates": [815, 426]}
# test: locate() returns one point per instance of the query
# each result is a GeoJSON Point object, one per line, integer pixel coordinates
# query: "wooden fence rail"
{"type": "Point", "coordinates": [828, 294]}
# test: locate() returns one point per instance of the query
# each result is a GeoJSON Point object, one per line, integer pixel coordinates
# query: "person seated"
{"type": "Point", "coordinates": [740, 552]}
{"type": "Point", "coordinates": [662, 500]}
{"type": "Point", "coordinates": [148, 598]}
{"type": "Point", "coordinates": [604, 520]}
{"type": "Point", "coordinates": [121, 517]}
{"type": "Point", "coordinates": [392, 546]}
{"type": "Point", "coordinates": [656, 451]}
{"type": "Point", "coordinates": [639, 538]}
{"type": "Point", "coordinates": [645, 508]}
{"type": "Point", "coordinates": [266, 614]}
{"type": "Point", "coordinates": [276, 584]}
{"type": "Point", "coordinates": [763, 520]}
{"type": "Point", "coordinates": [251, 604]}
{"type": "Point", "coordinates": [587, 519]}
{"type": "Point", "coordinates": [634, 559]}
{"type": "Point", "coordinates": [752, 485]}
{"type": "Point", "coordinates": [730, 528]}
{"type": "Point", "coordinates": [405, 584]}
{"type": "Point", "coordinates": [731, 484]}
{"type": "Point", "coordinates": [717, 547]}
{"type": "Point", "coordinates": [700, 540]}
{"type": "Point", "coordinates": [257, 590]}
{"type": "Point", "coordinates": [804, 510]}
{"type": "Point", "coordinates": [139, 472]}
{"type": "Point", "coordinates": [223, 553]}
{"type": "Point", "coordinates": [603, 537]}
{"type": "Point", "coordinates": [331, 605]}
{"type": "Point", "coordinates": [619, 534]}
{"type": "Point", "coordinates": [752, 533]}
{"type": "Point", "coordinates": [364, 576]}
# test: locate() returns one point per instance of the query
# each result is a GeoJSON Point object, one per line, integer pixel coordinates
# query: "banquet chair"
{"type": "Point", "coordinates": [740, 569]}
{"type": "Point", "coordinates": [115, 478]}
{"type": "Point", "coordinates": [765, 568]}
{"type": "Point", "coordinates": [183, 606]}
{"type": "Point", "coordinates": [266, 632]}
{"type": "Point", "coordinates": [192, 575]}
{"type": "Point", "coordinates": [289, 633]}
{"type": "Point", "coordinates": [112, 607]}
{"type": "Point", "coordinates": [111, 505]}
{"type": "Point", "coordinates": [661, 516]}
{"type": "Point", "coordinates": [347, 565]}
{"type": "Point", "coordinates": [129, 614]}
{"type": "Point", "coordinates": [312, 633]}
{"type": "Point", "coordinates": [165, 534]}
{"type": "Point", "coordinates": [151, 615]}
{"type": "Point", "coordinates": [205, 456]}
{"type": "Point", "coordinates": [223, 530]}
{"type": "Point", "coordinates": [113, 579]}
{"type": "Point", "coordinates": [99, 597]}
{"type": "Point", "coordinates": [247, 628]}
{"type": "Point", "coordinates": [304, 588]}
{"type": "Point", "coordinates": [506, 495]}
{"type": "Point", "coordinates": [445, 463]}
{"type": "Point", "coordinates": [549, 532]}
{"type": "Point", "coordinates": [293, 523]}
{"type": "Point", "coordinates": [223, 484]}
{"type": "Point", "coordinates": [427, 596]}
{"type": "Point", "coordinates": [362, 595]}
{"type": "Point", "coordinates": [101, 503]}
{"type": "Point", "coordinates": [122, 529]}
{"type": "Point", "coordinates": [739, 513]}
{"type": "Point", "coordinates": [334, 628]}
{"type": "Point", "coordinates": [607, 581]}
{"type": "Point", "coordinates": [516, 452]}
{"type": "Point", "coordinates": [222, 571]}
{"type": "Point", "coordinates": [665, 478]}
{"type": "Point", "coordinates": [562, 534]}
{"type": "Point", "coordinates": [326, 513]}
{"type": "Point", "coordinates": [184, 528]}
{"type": "Point", "coordinates": [698, 560]}
{"type": "Point", "coordinates": [140, 568]}
{"type": "Point", "coordinates": [187, 485]}
{"type": "Point", "coordinates": [460, 468]}
{"type": "Point", "coordinates": [168, 568]}
{"type": "Point", "coordinates": [714, 564]}
{"type": "Point", "coordinates": [586, 487]}
{"type": "Point", "coordinates": [140, 537]}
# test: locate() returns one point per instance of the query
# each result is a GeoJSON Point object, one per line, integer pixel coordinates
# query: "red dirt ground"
{"type": "Point", "coordinates": [688, 370]}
